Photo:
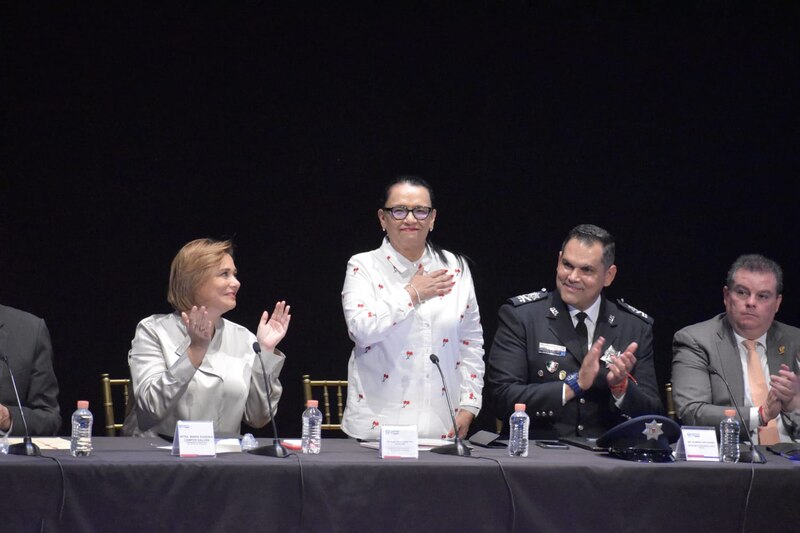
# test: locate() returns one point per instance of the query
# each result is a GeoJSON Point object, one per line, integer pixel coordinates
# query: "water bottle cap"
{"type": "Point", "coordinates": [519, 406]}
{"type": "Point", "coordinates": [312, 403]}
{"type": "Point", "coordinates": [730, 412]}
{"type": "Point", "coordinates": [83, 404]}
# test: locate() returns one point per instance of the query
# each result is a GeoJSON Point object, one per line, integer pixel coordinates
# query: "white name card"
{"type": "Point", "coordinates": [697, 444]}
{"type": "Point", "coordinates": [194, 438]}
{"type": "Point", "coordinates": [399, 442]}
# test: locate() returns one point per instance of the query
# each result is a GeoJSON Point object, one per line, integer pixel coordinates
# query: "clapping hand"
{"type": "Point", "coordinates": [200, 331]}
{"type": "Point", "coordinates": [785, 389]}
{"type": "Point", "coordinates": [272, 329]}
{"type": "Point", "coordinates": [621, 365]}
{"type": "Point", "coordinates": [198, 326]}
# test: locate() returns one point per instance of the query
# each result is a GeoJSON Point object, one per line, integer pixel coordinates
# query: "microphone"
{"type": "Point", "coordinates": [458, 447]}
{"type": "Point", "coordinates": [276, 449]}
{"type": "Point", "coordinates": [755, 455]}
{"type": "Point", "coordinates": [27, 446]}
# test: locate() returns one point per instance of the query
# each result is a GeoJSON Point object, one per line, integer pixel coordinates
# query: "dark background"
{"type": "Point", "coordinates": [126, 133]}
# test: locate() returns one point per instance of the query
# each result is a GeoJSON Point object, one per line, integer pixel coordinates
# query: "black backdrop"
{"type": "Point", "coordinates": [128, 133]}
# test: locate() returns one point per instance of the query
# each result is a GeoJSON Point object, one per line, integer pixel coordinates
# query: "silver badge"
{"type": "Point", "coordinates": [554, 311]}
{"type": "Point", "coordinates": [610, 355]}
{"type": "Point", "coordinates": [551, 366]}
{"type": "Point", "coordinates": [611, 319]}
{"type": "Point", "coordinates": [541, 373]}
{"type": "Point", "coordinates": [652, 430]}
{"type": "Point", "coordinates": [562, 375]}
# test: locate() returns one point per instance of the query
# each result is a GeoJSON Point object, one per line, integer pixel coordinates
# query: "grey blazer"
{"type": "Point", "coordinates": [24, 339]}
{"type": "Point", "coordinates": [701, 398]}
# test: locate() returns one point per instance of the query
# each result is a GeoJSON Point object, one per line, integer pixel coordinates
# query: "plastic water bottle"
{"type": "Point", "coordinates": [518, 435]}
{"type": "Point", "coordinates": [729, 438]}
{"type": "Point", "coordinates": [81, 443]}
{"type": "Point", "coordinates": [312, 428]}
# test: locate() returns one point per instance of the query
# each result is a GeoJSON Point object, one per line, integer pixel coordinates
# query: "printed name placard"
{"type": "Point", "coordinates": [697, 444]}
{"type": "Point", "coordinates": [194, 438]}
{"type": "Point", "coordinates": [399, 442]}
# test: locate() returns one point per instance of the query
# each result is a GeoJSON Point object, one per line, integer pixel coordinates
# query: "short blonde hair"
{"type": "Point", "coordinates": [191, 267]}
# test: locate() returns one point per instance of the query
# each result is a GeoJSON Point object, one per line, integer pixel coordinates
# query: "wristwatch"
{"type": "Point", "coordinates": [572, 381]}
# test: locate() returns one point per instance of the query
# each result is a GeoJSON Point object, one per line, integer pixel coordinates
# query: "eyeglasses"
{"type": "Point", "coordinates": [400, 212]}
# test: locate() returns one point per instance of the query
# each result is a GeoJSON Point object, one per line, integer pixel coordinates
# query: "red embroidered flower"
{"type": "Point", "coordinates": [406, 403]}
{"type": "Point", "coordinates": [443, 436]}
{"type": "Point", "coordinates": [458, 363]}
{"type": "Point", "coordinates": [360, 306]}
{"type": "Point", "coordinates": [458, 271]}
{"type": "Point", "coordinates": [375, 424]}
{"type": "Point", "coordinates": [370, 314]}
{"type": "Point", "coordinates": [385, 377]}
{"type": "Point", "coordinates": [443, 391]}
{"type": "Point", "coordinates": [355, 270]}
{"type": "Point", "coordinates": [408, 355]}
{"type": "Point", "coordinates": [473, 376]}
{"type": "Point", "coordinates": [471, 395]}
{"type": "Point", "coordinates": [360, 397]}
{"type": "Point", "coordinates": [445, 341]}
{"type": "Point", "coordinates": [465, 343]}
{"type": "Point", "coordinates": [462, 317]}
{"type": "Point", "coordinates": [380, 286]}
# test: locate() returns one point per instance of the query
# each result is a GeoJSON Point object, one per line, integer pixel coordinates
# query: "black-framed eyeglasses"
{"type": "Point", "coordinates": [400, 212]}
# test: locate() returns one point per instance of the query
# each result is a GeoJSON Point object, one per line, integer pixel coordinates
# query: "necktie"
{"type": "Point", "coordinates": [758, 392]}
{"type": "Point", "coordinates": [583, 333]}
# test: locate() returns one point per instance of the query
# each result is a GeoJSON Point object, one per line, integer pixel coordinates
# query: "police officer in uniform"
{"type": "Point", "coordinates": [581, 363]}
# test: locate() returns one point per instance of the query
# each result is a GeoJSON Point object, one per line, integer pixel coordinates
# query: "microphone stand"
{"type": "Point", "coordinates": [275, 449]}
{"type": "Point", "coordinates": [458, 447]}
{"type": "Point", "coordinates": [27, 446]}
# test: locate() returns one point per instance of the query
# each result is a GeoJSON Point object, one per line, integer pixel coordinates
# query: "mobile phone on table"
{"type": "Point", "coordinates": [551, 444]}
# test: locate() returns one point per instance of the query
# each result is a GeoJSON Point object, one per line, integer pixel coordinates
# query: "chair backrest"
{"type": "Point", "coordinates": [112, 427]}
{"type": "Point", "coordinates": [325, 404]}
{"type": "Point", "coordinates": [670, 402]}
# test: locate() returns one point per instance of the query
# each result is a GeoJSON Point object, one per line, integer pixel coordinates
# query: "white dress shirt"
{"type": "Point", "coordinates": [226, 388]}
{"type": "Point", "coordinates": [391, 379]}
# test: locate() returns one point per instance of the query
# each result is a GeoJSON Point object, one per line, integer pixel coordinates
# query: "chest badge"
{"type": "Point", "coordinates": [551, 366]}
{"type": "Point", "coordinates": [609, 356]}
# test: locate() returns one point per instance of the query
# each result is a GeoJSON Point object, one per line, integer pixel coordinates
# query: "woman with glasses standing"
{"type": "Point", "coordinates": [403, 302]}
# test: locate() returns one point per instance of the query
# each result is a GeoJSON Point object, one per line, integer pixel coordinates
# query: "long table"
{"type": "Point", "coordinates": [130, 484]}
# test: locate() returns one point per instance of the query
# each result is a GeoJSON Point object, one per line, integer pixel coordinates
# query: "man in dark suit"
{"type": "Point", "coordinates": [755, 354]}
{"type": "Point", "coordinates": [579, 362]}
{"type": "Point", "coordinates": [25, 341]}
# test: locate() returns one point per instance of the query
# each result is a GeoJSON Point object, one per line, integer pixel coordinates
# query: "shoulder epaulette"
{"type": "Point", "coordinates": [528, 298]}
{"type": "Point", "coordinates": [632, 310]}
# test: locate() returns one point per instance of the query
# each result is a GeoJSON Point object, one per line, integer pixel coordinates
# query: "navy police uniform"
{"type": "Point", "coordinates": [536, 347]}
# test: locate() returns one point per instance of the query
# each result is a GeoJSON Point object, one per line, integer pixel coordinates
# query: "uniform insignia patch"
{"type": "Point", "coordinates": [528, 298]}
{"type": "Point", "coordinates": [632, 310]}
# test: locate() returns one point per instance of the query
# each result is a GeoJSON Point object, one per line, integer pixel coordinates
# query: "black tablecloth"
{"type": "Point", "coordinates": [130, 484]}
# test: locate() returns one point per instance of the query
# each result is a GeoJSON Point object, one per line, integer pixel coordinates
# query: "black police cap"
{"type": "Point", "coordinates": [645, 439]}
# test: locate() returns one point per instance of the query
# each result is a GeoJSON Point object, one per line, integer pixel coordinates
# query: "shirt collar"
{"type": "Point", "coordinates": [762, 340]}
{"type": "Point", "coordinates": [399, 262]}
{"type": "Point", "coordinates": [591, 313]}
